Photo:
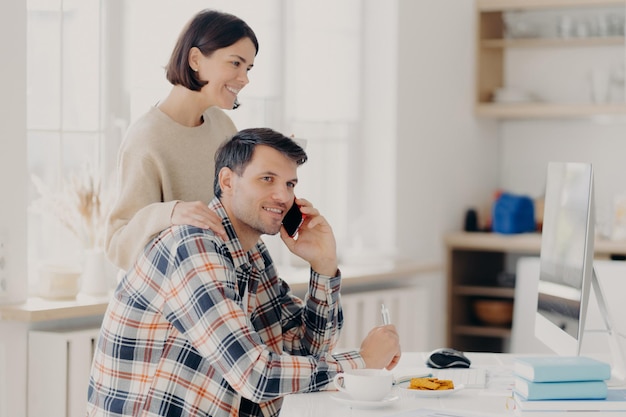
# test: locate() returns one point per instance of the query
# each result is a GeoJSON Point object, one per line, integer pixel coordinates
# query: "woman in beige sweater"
{"type": "Point", "coordinates": [166, 162]}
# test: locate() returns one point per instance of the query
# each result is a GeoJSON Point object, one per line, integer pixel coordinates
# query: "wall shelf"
{"type": "Point", "coordinates": [500, 5]}
{"type": "Point", "coordinates": [552, 43]}
{"type": "Point", "coordinates": [484, 331]}
{"type": "Point", "coordinates": [547, 110]}
{"type": "Point", "coordinates": [492, 45]}
{"type": "Point", "coordinates": [500, 292]}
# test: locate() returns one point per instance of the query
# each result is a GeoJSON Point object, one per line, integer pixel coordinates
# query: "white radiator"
{"type": "Point", "coordinates": [59, 363]}
{"type": "Point", "coordinates": [409, 312]}
{"type": "Point", "coordinates": [3, 381]}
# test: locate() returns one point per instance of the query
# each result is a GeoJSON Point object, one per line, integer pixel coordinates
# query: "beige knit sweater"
{"type": "Point", "coordinates": [160, 162]}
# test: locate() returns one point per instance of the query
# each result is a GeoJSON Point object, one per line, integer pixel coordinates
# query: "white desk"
{"type": "Point", "coordinates": [490, 401]}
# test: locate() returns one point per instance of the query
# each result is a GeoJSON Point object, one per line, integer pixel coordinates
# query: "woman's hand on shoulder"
{"type": "Point", "coordinates": [197, 213]}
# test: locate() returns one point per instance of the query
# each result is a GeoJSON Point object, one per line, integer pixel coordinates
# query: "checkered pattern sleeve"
{"type": "Point", "coordinates": [313, 327]}
{"type": "Point", "coordinates": [204, 307]}
{"type": "Point", "coordinates": [177, 340]}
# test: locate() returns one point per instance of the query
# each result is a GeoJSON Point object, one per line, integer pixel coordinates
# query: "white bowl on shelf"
{"type": "Point", "coordinates": [512, 95]}
{"type": "Point", "coordinates": [58, 281]}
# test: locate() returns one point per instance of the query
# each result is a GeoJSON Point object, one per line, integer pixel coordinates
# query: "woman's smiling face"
{"type": "Point", "coordinates": [226, 71]}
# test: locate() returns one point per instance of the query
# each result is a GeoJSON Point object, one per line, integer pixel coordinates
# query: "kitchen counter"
{"type": "Point", "coordinates": [36, 309]}
{"type": "Point", "coordinates": [529, 243]}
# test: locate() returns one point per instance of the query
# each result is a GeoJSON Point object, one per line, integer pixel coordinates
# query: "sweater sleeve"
{"type": "Point", "coordinates": [160, 164]}
{"type": "Point", "coordinates": [138, 213]}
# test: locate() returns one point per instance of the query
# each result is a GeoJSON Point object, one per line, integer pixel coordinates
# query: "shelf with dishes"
{"type": "Point", "coordinates": [499, 5]}
{"type": "Point", "coordinates": [536, 110]}
{"type": "Point", "coordinates": [483, 331]}
{"type": "Point", "coordinates": [504, 26]}
{"type": "Point", "coordinates": [552, 42]}
{"type": "Point", "coordinates": [483, 315]}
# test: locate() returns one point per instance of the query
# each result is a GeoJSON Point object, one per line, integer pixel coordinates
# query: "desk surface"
{"type": "Point", "coordinates": [491, 400]}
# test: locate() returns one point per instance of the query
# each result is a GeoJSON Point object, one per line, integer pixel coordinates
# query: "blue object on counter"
{"type": "Point", "coordinates": [513, 214]}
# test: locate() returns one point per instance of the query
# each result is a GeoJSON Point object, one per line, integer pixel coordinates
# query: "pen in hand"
{"type": "Point", "coordinates": [385, 314]}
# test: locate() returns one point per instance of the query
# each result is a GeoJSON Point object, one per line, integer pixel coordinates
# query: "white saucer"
{"type": "Point", "coordinates": [424, 393]}
{"type": "Point", "coordinates": [345, 399]}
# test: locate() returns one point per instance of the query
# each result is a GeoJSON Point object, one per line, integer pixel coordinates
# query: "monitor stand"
{"type": "Point", "coordinates": [618, 361]}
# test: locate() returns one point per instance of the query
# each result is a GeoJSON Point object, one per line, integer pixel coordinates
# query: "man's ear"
{"type": "Point", "coordinates": [225, 177]}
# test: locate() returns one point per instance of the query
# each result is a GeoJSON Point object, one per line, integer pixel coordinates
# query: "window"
{"type": "Point", "coordinates": [66, 117]}
{"type": "Point", "coordinates": [94, 66]}
{"type": "Point", "coordinates": [298, 86]}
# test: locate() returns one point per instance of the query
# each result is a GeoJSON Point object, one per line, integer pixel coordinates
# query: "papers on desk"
{"type": "Point", "coordinates": [427, 412]}
{"type": "Point", "coordinates": [615, 401]}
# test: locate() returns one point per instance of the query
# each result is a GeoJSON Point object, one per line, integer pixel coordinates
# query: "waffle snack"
{"type": "Point", "coordinates": [431, 384]}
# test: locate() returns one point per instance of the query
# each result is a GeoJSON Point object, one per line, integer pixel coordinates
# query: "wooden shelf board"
{"type": "Point", "coordinates": [548, 110]}
{"type": "Point", "coordinates": [497, 5]}
{"type": "Point", "coordinates": [502, 292]}
{"type": "Point", "coordinates": [550, 43]}
{"type": "Point", "coordinates": [484, 331]}
{"type": "Point", "coordinates": [522, 243]}
{"type": "Point", "coordinates": [519, 243]}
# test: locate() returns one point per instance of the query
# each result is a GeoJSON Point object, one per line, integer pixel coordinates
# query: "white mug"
{"type": "Point", "coordinates": [364, 384]}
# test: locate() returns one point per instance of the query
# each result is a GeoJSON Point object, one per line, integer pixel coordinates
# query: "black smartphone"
{"type": "Point", "coordinates": [293, 220]}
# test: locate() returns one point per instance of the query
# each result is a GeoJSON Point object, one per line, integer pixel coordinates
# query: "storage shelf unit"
{"type": "Point", "coordinates": [492, 46]}
{"type": "Point", "coordinates": [474, 261]}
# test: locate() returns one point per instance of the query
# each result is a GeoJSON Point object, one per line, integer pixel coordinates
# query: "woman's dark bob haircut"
{"type": "Point", "coordinates": [209, 30]}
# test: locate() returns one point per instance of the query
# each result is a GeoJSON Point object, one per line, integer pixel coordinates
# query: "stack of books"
{"type": "Point", "coordinates": [548, 384]}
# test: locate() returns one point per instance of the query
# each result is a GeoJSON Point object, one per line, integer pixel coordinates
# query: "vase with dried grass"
{"type": "Point", "coordinates": [81, 207]}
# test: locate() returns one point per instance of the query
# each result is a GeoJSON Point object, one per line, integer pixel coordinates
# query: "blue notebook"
{"type": "Point", "coordinates": [560, 390]}
{"type": "Point", "coordinates": [561, 368]}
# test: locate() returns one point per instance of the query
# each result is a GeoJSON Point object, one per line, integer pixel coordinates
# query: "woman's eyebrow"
{"type": "Point", "coordinates": [242, 59]}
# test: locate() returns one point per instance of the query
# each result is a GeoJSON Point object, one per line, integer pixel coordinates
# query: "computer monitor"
{"type": "Point", "coordinates": [566, 273]}
{"type": "Point", "coordinates": [566, 257]}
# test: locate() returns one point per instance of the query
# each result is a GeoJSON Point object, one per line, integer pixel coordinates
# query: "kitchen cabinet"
{"type": "Point", "coordinates": [476, 262]}
{"type": "Point", "coordinates": [493, 43]}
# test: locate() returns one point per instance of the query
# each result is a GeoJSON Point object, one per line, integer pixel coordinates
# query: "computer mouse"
{"type": "Point", "coordinates": [447, 358]}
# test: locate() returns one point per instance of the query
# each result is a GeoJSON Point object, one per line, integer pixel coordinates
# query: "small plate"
{"type": "Point", "coordinates": [345, 399]}
{"type": "Point", "coordinates": [425, 393]}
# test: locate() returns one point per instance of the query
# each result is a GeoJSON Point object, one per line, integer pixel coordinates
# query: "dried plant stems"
{"type": "Point", "coordinates": [80, 207]}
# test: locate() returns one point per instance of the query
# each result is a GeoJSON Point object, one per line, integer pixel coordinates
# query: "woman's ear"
{"type": "Point", "coordinates": [194, 58]}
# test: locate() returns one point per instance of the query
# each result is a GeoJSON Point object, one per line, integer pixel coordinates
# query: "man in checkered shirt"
{"type": "Point", "coordinates": [202, 326]}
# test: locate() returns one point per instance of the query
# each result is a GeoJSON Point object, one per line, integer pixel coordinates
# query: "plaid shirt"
{"type": "Point", "coordinates": [176, 339]}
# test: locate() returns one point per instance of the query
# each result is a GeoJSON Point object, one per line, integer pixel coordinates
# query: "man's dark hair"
{"type": "Point", "coordinates": [236, 153]}
{"type": "Point", "coordinates": [209, 30]}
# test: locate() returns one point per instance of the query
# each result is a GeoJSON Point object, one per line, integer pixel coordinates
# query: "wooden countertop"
{"type": "Point", "coordinates": [520, 243]}
{"type": "Point", "coordinates": [36, 309]}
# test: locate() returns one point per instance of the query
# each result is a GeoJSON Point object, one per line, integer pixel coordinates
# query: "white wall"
{"type": "Point", "coordinates": [564, 75]}
{"type": "Point", "coordinates": [13, 179]}
{"type": "Point", "coordinates": [13, 174]}
{"type": "Point", "coordinates": [528, 146]}
{"type": "Point", "coordinates": [446, 159]}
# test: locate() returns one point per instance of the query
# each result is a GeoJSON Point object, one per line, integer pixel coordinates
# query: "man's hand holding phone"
{"type": "Point", "coordinates": [315, 241]}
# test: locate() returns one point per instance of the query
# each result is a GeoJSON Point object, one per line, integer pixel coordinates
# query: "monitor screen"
{"type": "Point", "coordinates": [566, 257]}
